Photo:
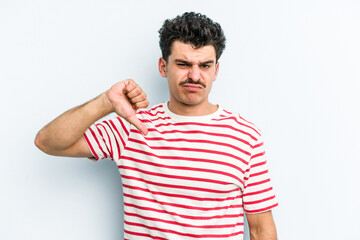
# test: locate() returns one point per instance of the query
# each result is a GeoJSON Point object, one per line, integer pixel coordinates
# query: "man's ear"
{"type": "Point", "coordinates": [216, 70]}
{"type": "Point", "coordinates": [162, 67]}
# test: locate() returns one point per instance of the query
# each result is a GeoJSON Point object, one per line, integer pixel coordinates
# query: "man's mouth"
{"type": "Point", "coordinates": [192, 87]}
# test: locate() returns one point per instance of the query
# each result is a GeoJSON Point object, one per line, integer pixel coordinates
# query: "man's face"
{"type": "Point", "coordinates": [190, 73]}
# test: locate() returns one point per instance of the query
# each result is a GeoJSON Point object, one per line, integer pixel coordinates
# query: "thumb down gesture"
{"type": "Point", "coordinates": [126, 97]}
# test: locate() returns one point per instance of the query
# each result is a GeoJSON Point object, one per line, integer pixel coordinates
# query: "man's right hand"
{"type": "Point", "coordinates": [64, 135]}
{"type": "Point", "coordinates": [125, 98]}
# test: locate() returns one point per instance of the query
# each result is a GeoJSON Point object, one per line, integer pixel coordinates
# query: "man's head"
{"type": "Point", "coordinates": [194, 29]}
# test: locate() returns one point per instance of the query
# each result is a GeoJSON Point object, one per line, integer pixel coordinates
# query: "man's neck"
{"type": "Point", "coordinates": [203, 109]}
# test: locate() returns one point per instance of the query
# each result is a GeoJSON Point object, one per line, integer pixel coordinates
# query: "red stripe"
{"type": "Point", "coordinates": [182, 215]}
{"type": "Point", "coordinates": [179, 186]}
{"type": "Point", "coordinates": [207, 180]}
{"type": "Point", "coordinates": [227, 111]}
{"type": "Point", "coordinates": [257, 192]}
{"type": "Point", "coordinates": [117, 131]}
{"type": "Point", "coordinates": [100, 132]}
{"type": "Point", "coordinates": [190, 150]}
{"type": "Point", "coordinates": [123, 126]}
{"type": "Point", "coordinates": [256, 174]}
{"type": "Point", "coordinates": [259, 173]}
{"type": "Point", "coordinates": [193, 141]}
{"type": "Point", "coordinates": [258, 145]}
{"type": "Point", "coordinates": [155, 107]}
{"type": "Point", "coordinates": [185, 159]}
{"type": "Point", "coordinates": [116, 141]}
{"type": "Point", "coordinates": [196, 132]}
{"type": "Point", "coordinates": [117, 144]}
{"type": "Point", "coordinates": [257, 155]}
{"type": "Point", "coordinates": [259, 201]}
{"type": "Point", "coordinates": [155, 119]}
{"type": "Point", "coordinates": [144, 235]}
{"type": "Point", "coordinates": [180, 195]}
{"type": "Point", "coordinates": [240, 123]}
{"type": "Point", "coordinates": [151, 114]}
{"type": "Point", "coordinates": [180, 205]}
{"type": "Point", "coordinates": [97, 141]}
{"type": "Point", "coordinates": [246, 120]}
{"type": "Point", "coordinates": [257, 183]}
{"type": "Point", "coordinates": [185, 234]}
{"type": "Point", "coordinates": [183, 224]}
{"type": "Point", "coordinates": [91, 147]}
{"type": "Point", "coordinates": [183, 168]}
{"type": "Point", "coordinates": [207, 125]}
{"type": "Point", "coordinates": [262, 209]}
{"type": "Point", "coordinates": [258, 164]}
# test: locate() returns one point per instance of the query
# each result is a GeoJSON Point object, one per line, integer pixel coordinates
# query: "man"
{"type": "Point", "coordinates": [190, 169]}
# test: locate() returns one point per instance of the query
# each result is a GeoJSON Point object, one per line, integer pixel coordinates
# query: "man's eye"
{"type": "Point", "coordinates": [182, 64]}
{"type": "Point", "coordinates": [205, 66]}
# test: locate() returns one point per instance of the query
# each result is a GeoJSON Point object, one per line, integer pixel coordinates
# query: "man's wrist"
{"type": "Point", "coordinates": [105, 104]}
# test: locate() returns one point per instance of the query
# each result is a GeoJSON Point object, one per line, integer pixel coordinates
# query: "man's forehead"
{"type": "Point", "coordinates": [186, 51]}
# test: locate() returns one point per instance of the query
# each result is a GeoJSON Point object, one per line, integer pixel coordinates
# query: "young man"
{"type": "Point", "coordinates": [190, 169]}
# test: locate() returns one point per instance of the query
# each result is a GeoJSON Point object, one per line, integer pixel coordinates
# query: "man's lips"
{"type": "Point", "coordinates": [192, 87]}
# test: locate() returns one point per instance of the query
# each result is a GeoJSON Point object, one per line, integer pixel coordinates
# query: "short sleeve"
{"type": "Point", "coordinates": [258, 195]}
{"type": "Point", "coordinates": [107, 139]}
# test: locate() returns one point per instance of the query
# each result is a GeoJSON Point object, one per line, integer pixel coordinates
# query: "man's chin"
{"type": "Point", "coordinates": [192, 102]}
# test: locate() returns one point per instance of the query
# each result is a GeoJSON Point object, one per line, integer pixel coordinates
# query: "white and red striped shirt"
{"type": "Point", "coordinates": [190, 177]}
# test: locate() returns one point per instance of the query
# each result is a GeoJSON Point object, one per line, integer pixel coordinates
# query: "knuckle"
{"type": "Point", "coordinates": [142, 104]}
{"type": "Point", "coordinates": [130, 84]}
{"type": "Point", "coordinates": [137, 91]}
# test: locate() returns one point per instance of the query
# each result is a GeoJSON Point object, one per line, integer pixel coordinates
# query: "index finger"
{"type": "Point", "coordinates": [130, 85]}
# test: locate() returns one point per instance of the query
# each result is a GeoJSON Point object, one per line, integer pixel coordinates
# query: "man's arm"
{"type": "Point", "coordinates": [63, 135]}
{"type": "Point", "coordinates": [262, 226]}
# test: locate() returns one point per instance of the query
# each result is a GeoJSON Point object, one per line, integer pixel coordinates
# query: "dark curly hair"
{"type": "Point", "coordinates": [193, 28]}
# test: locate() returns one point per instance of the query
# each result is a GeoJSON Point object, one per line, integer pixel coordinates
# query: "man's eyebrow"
{"type": "Point", "coordinates": [189, 63]}
{"type": "Point", "coordinates": [208, 62]}
{"type": "Point", "coordinates": [182, 61]}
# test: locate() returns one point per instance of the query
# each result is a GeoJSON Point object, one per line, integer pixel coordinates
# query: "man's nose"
{"type": "Point", "coordinates": [194, 73]}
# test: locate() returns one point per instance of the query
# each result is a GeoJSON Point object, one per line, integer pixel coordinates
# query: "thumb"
{"type": "Point", "coordinates": [138, 124]}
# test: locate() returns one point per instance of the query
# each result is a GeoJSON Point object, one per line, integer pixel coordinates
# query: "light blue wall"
{"type": "Point", "coordinates": [291, 67]}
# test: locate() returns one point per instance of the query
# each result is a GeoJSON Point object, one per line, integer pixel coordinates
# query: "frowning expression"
{"type": "Point", "coordinates": [190, 73]}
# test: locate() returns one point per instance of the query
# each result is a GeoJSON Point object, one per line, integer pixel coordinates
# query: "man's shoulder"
{"type": "Point", "coordinates": [239, 122]}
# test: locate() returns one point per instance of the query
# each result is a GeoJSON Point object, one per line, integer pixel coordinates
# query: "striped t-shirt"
{"type": "Point", "coordinates": [190, 177]}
